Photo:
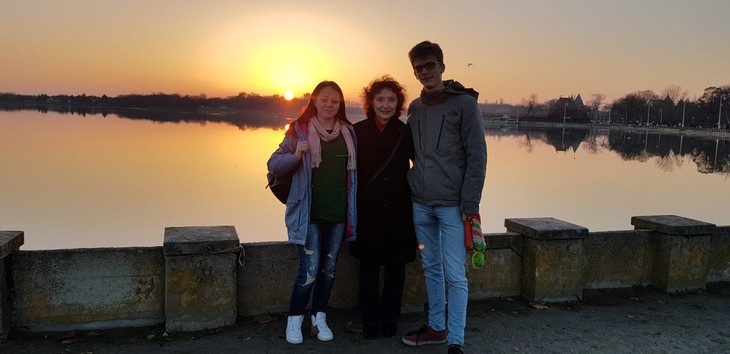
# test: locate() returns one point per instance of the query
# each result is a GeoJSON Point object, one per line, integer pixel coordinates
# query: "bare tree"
{"type": "Point", "coordinates": [596, 101]}
{"type": "Point", "coordinates": [551, 102]}
{"type": "Point", "coordinates": [530, 102]}
{"type": "Point", "coordinates": [670, 162]}
{"type": "Point", "coordinates": [591, 143]}
{"type": "Point", "coordinates": [675, 93]}
{"type": "Point", "coordinates": [526, 143]}
{"type": "Point", "coordinates": [646, 95]}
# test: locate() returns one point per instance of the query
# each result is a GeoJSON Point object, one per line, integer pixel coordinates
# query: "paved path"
{"type": "Point", "coordinates": [636, 320]}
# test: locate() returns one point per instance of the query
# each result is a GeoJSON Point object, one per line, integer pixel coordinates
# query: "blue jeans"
{"type": "Point", "coordinates": [440, 234]}
{"type": "Point", "coordinates": [317, 261]}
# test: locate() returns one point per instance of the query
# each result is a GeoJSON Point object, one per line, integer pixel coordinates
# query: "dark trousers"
{"type": "Point", "coordinates": [380, 308]}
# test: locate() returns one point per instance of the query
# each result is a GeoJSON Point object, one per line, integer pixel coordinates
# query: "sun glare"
{"type": "Point", "coordinates": [260, 54]}
{"type": "Point", "coordinates": [288, 96]}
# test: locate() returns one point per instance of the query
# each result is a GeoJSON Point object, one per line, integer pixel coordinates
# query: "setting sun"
{"type": "Point", "coordinates": [261, 55]}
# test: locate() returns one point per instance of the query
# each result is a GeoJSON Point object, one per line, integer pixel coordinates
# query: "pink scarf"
{"type": "Point", "coordinates": [316, 132]}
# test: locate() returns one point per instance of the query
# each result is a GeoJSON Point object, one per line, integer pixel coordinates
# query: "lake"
{"type": "Point", "coordinates": [78, 181]}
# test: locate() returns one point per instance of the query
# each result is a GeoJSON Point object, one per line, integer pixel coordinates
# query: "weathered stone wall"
{"type": "Point", "coordinates": [501, 273]}
{"type": "Point", "coordinates": [10, 242]}
{"type": "Point", "coordinates": [200, 277]}
{"type": "Point", "coordinates": [272, 266]}
{"type": "Point", "coordinates": [719, 267]}
{"type": "Point", "coordinates": [269, 269]}
{"type": "Point", "coordinates": [87, 288]}
{"type": "Point", "coordinates": [539, 259]}
{"type": "Point", "coordinates": [616, 259]}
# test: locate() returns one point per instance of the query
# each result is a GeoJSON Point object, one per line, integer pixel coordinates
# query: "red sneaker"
{"type": "Point", "coordinates": [423, 336]}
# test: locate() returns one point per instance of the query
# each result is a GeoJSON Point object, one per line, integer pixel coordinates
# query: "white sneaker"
{"type": "Point", "coordinates": [320, 328]}
{"type": "Point", "coordinates": [294, 329]}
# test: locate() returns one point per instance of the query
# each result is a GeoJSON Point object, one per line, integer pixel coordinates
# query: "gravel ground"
{"type": "Point", "coordinates": [632, 320]}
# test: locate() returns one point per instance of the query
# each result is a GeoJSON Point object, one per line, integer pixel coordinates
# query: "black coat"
{"type": "Point", "coordinates": [385, 231]}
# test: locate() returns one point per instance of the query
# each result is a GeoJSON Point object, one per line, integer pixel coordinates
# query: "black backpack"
{"type": "Point", "coordinates": [280, 186]}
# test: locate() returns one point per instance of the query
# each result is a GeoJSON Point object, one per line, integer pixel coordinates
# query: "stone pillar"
{"type": "Point", "coordinates": [10, 241]}
{"type": "Point", "coordinates": [200, 277]}
{"type": "Point", "coordinates": [680, 249]}
{"type": "Point", "coordinates": [552, 258]}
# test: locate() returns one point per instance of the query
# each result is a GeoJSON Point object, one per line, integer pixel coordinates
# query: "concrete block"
{"type": "Point", "coordinates": [616, 259]}
{"type": "Point", "coordinates": [719, 267]}
{"type": "Point", "coordinates": [501, 273]}
{"type": "Point", "coordinates": [545, 228]}
{"type": "Point", "coordinates": [552, 270]}
{"type": "Point", "coordinates": [499, 277]}
{"type": "Point", "coordinates": [510, 240]}
{"type": "Point", "coordinates": [552, 259]}
{"type": "Point", "coordinates": [672, 225]}
{"type": "Point", "coordinates": [10, 241]}
{"type": "Point", "coordinates": [279, 261]}
{"type": "Point", "coordinates": [200, 240]}
{"type": "Point", "coordinates": [200, 277]}
{"type": "Point", "coordinates": [87, 289]}
{"type": "Point", "coordinates": [4, 303]}
{"type": "Point", "coordinates": [267, 265]}
{"type": "Point", "coordinates": [680, 263]}
{"type": "Point", "coordinates": [681, 251]}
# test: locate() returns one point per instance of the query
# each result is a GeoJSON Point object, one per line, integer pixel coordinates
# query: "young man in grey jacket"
{"type": "Point", "coordinates": [446, 183]}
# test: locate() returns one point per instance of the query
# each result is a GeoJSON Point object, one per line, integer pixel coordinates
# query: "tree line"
{"type": "Point", "coordinates": [670, 150]}
{"type": "Point", "coordinates": [157, 101]}
{"type": "Point", "coordinates": [671, 107]}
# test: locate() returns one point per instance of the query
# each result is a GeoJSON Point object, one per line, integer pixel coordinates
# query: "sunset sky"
{"type": "Point", "coordinates": [223, 47]}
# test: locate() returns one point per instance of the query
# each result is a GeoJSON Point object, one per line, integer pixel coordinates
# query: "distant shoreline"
{"type": "Point", "coordinates": [222, 113]}
{"type": "Point", "coordinates": [704, 132]}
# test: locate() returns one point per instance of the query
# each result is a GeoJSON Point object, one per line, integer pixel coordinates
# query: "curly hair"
{"type": "Point", "coordinates": [377, 85]}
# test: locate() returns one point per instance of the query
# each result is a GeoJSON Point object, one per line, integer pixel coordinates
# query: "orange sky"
{"type": "Point", "coordinates": [221, 48]}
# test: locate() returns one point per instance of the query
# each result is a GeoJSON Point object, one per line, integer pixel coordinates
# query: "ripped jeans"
{"type": "Point", "coordinates": [317, 261]}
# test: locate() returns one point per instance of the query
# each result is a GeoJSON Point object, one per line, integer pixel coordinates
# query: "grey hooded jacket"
{"type": "Point", "coordinates": [450, 148]}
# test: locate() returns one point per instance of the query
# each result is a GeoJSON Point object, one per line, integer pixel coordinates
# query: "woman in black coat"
{"type": "Point", "coordinates": [386, 236]}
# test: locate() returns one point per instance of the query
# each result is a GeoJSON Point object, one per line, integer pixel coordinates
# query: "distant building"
{"type": "Point", "coordinates": [568, 110]}
{"type": "Point", "coordinates": [566, 139]}
{"type": "Point", "coordinates": [579, 101]}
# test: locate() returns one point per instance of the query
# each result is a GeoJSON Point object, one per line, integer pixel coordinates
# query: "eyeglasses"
{"type": "Point", "coordinates": [428, 66]}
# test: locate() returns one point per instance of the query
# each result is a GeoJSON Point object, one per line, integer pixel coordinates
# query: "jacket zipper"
{"type": "Point", "coordinates": [441, 128]}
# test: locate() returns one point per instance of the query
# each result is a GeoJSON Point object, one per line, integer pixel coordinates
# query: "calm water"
{"type": "Point", "coordinates": [72, 181]}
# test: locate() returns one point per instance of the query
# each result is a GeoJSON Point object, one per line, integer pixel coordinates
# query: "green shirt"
{"type": "Point", "coordinates": [329, 183]}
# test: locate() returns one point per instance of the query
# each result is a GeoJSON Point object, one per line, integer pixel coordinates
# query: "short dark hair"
{"type": "Point", "coordinates": [377, 85]}
{"type": "Point", "coordinates": [425, 49]}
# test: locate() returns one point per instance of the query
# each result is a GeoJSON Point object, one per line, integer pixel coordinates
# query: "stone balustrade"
{"type": "Point", "coordinates": [204, 278]}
